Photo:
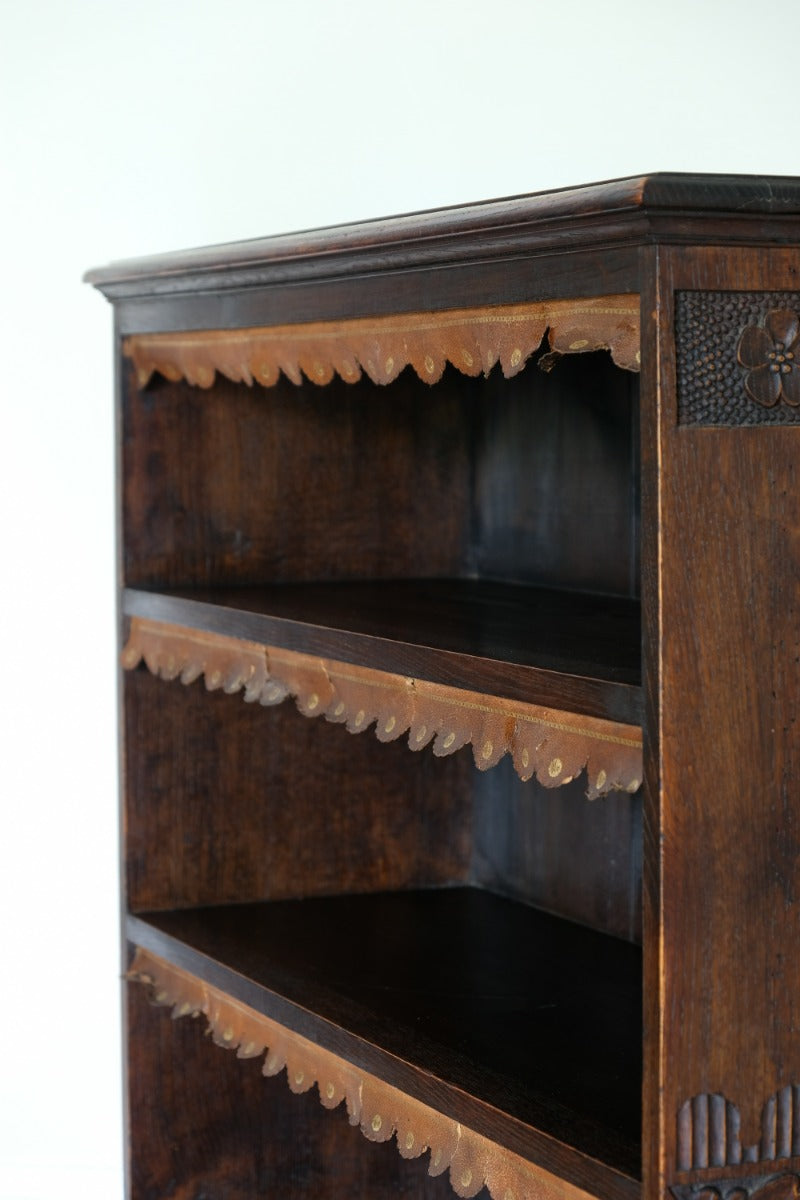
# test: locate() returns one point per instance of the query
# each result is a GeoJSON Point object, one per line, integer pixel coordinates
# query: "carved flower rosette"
{"type": "Point", "coordinates": [771, 354]}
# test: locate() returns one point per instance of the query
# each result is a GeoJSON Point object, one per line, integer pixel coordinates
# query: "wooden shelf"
{"type": "Point", "coordinates": [569, 650]}
{"type": "Point", "coordinates": [277, 858]}
{"type": "Point", "coordinates": [521, 1025]}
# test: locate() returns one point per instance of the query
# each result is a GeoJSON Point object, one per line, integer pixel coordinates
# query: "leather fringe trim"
{"type": "Point", "coordinates": [381, 1111]}
{"type": "Point", "coordinates": [554, 746]}
{"type": "Point", "coordinates": [472, 340]}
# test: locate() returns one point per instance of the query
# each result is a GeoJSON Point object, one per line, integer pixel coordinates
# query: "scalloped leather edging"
{"type": "Point", "coordinates": [472, 340]}
{"type": "Point", "coordinates": [554, 746]}
{"type": "Point", "coordinates": [381, 1111]}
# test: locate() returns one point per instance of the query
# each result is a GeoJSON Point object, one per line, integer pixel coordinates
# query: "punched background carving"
{"type": "Point", "coordinates": [710, 379]}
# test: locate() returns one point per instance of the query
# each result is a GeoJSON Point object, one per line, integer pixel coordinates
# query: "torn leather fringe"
{"type": "Point", "coordinates": [472, 340]}
{"type": "Point", "coordinates": [381, 1111]}
{"type": "Point", "coordinates": [554, 746]}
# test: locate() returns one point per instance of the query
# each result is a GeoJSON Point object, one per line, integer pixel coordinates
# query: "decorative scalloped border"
{"type": "Point", "coordinates": [554, 746]}
{"type": "Point", "coordinates": [472, 340]}
{"type": "Point", "coordinates": [381, 1111]}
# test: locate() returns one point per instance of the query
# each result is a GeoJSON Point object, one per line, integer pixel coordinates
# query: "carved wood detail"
{"type": "Point", "coordinates": [735, 358]}
{"type": "Point", "coordinates": [381, 1111]}
{"type": "Point", "coordinates": [782, 1186]}
{"type": "Point", "coordinates": [771, 356]}
{"type": "Point", "coordinates": [472, 340]}
{"type": "Point", "coordinates": [552, 745]}
{"type": "Point", "coordinates": [709, 1131]}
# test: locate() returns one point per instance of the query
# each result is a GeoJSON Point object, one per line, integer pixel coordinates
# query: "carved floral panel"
{"type": "Point", "coordinates": [738, 358]}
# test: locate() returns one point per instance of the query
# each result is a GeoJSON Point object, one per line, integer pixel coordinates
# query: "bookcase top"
{"type": "Point", "coordinates": [637, 210]}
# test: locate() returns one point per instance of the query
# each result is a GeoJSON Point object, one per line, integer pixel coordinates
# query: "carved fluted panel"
{"type": "Point", "coordinates": [709, 1131]}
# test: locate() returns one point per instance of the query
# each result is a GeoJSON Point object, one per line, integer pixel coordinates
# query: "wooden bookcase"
{"type": "Point", "coordinates": [459, 615]}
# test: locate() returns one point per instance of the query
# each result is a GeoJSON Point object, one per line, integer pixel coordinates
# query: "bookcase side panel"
{"type": "Point", "coordinates": [725, 680]}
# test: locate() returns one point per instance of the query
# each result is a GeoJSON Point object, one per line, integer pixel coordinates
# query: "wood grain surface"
{"type": "Point", "coordinates": [682, 207]}
{"type": "Point", "coordinates": [204, 1123]}
{"type": "Point", "coordinates": [435, 998]}
{"type": "Point", "coordinates": [533, 479]}
{"type": "Point", "coordinates": [226, 803]}
{"type": "Point", "coordinates": [384, 1113]}
{"type": "Point", "coordinates": [726, 591]}
{"type": "Point", "coordinates": [678, 486]}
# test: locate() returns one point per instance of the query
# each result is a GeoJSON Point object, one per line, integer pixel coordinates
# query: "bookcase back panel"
{"type": "Point", "coordinates": [355, 815]}
{"type": "Point", "coordinates": [533, 479]}
{"type": "Point", "coordinates": [553, 848]}
{"type": "Point", "coordinates": [227, 801]}
{"type": "Point", "coordinates": [251, 485]}
{"type": "Point", "coordinates": [556, 496]}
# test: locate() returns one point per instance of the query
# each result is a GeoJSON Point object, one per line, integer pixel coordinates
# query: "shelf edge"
{"type": "Point", "coordinates": [615, 700]}
{"type": "Point", "coordinates": [381, 1109]}
{"type": "Point", "coordinates": [555, 746]}
{"type": "Point", "coordinates": [472, 340]}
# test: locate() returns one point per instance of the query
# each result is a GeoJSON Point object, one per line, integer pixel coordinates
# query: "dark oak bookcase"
{"type": "Point", "coordinates": [563, 560]}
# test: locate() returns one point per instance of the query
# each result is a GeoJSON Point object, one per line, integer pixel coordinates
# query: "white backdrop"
{"type": "Point", "coordinates": [136, 127]}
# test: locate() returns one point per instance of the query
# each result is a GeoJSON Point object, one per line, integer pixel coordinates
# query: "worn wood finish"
{"type": "Point", "coordinates": [585, 634]}
{"type": "Point", "coordinates": [573, 243]}
{"type": "Point", "coordinates": [728, 589]}
{"type": "Point", "coordinates": [653, 1163]}
{"type": "Point", "coordinates": [436, 998]}
{"type": "Point", "coordinates": [498, 280]}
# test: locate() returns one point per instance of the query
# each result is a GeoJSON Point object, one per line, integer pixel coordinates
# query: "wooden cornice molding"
{"type": "Point", "coordinates": [673, 207]}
